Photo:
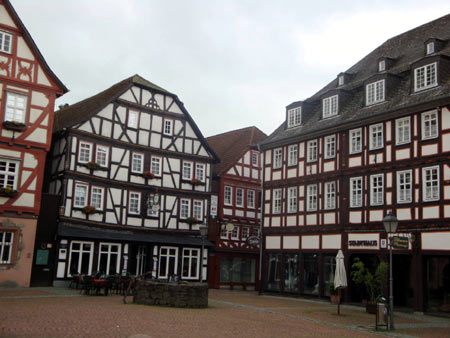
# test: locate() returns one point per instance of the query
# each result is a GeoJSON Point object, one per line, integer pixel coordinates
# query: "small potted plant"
{"type": "Point", "coordinates": [93, 165]}
{"type": "Point", "coordinates": [192, 220]}
{"type": "Point", "coordinates": [14, 125]}
{"type": "Point", "coordinates": [88, 209]}
{"type": "Point", "coordinates": [373, 282]}
{"type": "Point", "coordinates": [8, 192]}
{"type": "Point", "coordinates": [148, 174]}
{"type": "Point", "coordinates": [196, 181]}
{"type": "Point", "coordinates": [334, 295]}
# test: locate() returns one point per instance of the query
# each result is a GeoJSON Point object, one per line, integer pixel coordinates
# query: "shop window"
{"type": "Point", "coordinates": [109, 258]}
{"type": "Point", "coordinates": [329, 267]}
{"type": "Point", "coordinates": [191, 259]}
{"type": "Point", "coordinates": [291, 272]}
{"type": "Point", "coordinates": [168, 258]}
{"type": "Point", "coordinates": [80, 258]}
{"type": "Point", "coordinates": [311, 274]}
{"type": "Point", "coordinates": [273, 277]}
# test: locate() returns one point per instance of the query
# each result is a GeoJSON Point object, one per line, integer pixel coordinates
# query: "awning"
{"type": "Point", "coordinates": [82, 231]}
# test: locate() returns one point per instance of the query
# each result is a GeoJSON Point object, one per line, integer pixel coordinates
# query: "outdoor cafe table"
{"type": "Point", "coordinates": [98, 284]}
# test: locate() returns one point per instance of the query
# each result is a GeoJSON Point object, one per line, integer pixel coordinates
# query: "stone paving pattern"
{"type": "Point", "coordinates": [60, 312]}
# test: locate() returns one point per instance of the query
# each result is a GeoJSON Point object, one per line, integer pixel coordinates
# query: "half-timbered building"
{"type": "Point", "coordinates": [28, 89]}
{"type": "Point", "coordinates": [134, 175]}
{"type": "Point", "coordinates": [374, 140]}
{"type": "Point", "coordinates": [236, 196]}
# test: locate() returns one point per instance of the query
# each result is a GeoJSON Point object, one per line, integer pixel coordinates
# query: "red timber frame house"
{"type": "Point", "coordinates": [374, 140]}
{"type": "Point", "coordinates": [134, 175]}
{"type": "Point", "coordinates": [236, 191]}
{"type": "Point", "coordinates": [28, 89]}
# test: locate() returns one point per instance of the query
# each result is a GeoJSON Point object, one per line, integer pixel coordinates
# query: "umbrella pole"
{"type": "Point", "coordinates": [339, 302]}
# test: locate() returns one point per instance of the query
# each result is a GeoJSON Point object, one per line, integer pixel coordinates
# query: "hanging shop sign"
{"type": "Point", "coordinates": [253, 240]}
{"type": "Point", "coordinates": [400, 242]}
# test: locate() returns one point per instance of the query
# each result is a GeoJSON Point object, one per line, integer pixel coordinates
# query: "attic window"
{"type": "Point", "coordinates": [430, 48]}
{"type": "Point", "coordinates": [382, 65]}
{"type": "Point", "coordinates": [340, 80]}
{"type": "Point", "coordinates": [330, 106]}
{"type": "Point", "coordinates": [294, 117]}
{"type": "Point", "coordinates": [5, 42]}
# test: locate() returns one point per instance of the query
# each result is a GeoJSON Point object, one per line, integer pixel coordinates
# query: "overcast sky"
{"type": "Point", "coordinates": [233, 63]}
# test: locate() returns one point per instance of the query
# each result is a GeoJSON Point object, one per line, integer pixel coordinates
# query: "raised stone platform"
{"type": "Point", "coordinates": [182, 294]}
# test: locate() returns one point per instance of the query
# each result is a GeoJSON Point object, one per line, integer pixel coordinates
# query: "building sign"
{"type": "Point", "coordinates": [253, 240]}
{"type": "Point", "coordinates": [363, 241]}
{"type": "Point", "coordinates": [399, 242]}
{"type": "Point", "coordinates": [213, 211]}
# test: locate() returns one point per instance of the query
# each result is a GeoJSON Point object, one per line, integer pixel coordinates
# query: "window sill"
{"type": "Point", "coordinates": [94, 166]}
{"type": "Point", "coordinates": [4, 193]}
{"type": "Point", "coordinates": [14, 126]}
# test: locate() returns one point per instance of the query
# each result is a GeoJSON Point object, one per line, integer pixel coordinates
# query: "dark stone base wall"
{"type": "Point", "coordinates": [183, 294]}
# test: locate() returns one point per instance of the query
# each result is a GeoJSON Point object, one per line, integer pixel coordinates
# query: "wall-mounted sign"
{"type": "Point", "coordinates": [363, 241]}
{"type": "Point", "coordinates": [400, 242]}
{"type": "Point", "coordinates": [253, 240]}
{"type": "Point", "coordinates": [213, 211]}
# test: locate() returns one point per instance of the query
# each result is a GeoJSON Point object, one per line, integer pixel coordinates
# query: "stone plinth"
{"type": "Point", "coordinates": [183, 294]}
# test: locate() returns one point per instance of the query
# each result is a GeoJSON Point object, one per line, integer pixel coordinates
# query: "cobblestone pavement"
{"type": "Point", "coordinates": [61, 312]}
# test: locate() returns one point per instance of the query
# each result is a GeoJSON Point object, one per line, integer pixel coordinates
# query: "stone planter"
{"type": "Point", "coordinates": [182, 294]}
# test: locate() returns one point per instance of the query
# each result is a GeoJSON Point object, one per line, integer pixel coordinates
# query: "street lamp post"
{"type": "Point", "coordinates": [390, 223]}
{"type": "Point", "coordinates": [203, 232]}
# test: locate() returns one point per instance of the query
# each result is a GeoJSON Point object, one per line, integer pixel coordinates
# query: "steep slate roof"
{"type": "Point", "coordinates": [405, 49]}
{"type": "Point", "coordinates": [232, 145]}
{"type": "Point", "coordinates": [35, 49]}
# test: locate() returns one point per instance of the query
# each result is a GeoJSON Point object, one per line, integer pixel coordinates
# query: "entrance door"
{"type": "Point", "coordinates": [403, 292]}
{"type": "Point", "coordinates": [42, 272]}
{"type": "Point", "coordinates": [437, 284]}
{"type": "Point", "coordinates": [141, 259]}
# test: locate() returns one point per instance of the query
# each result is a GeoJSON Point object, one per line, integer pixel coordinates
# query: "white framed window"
{"type": "Point", "coordinates": [375, 92]}
{"type": "Point", "coordinates": [168, 127]}
{"type": "Point", "coordinates": [277, 158]}
{"type": "Point", "coordinates": [425, 77]}
{"type": "Point", "coordinates": [377, 189]}
{"type": "Point", "coordinates": [200, 171]}
{"type": "Point", "coordinates": [224, 232]}
{"type": "Point", "coordinates": [355, 141]}
{"type": "Point", "coordinates": [429, 125]}
{"type": "Point", "coordinates": [239, 197]}
{"type": "Point", "coordinates": [255, 231]}
{"type": "Point", "coordinates": [155, 165]}
{"type": "Point", "coordinates": [6, 245]}
{"type": "Point", "coordinates": [84, 152]}
{"type": "Point", "coordinates": [81, 195]}
{"type": "Point", "coordinates": [403, 130]}
{"type": "Point", "coordinates": [430, 48]}
{"type": "Point", "coordinates": [16, 107]}
{"type": "Point", "coordinates": [330, 106]}
{"type": "Point", "coordinates": [382, 65]}
{"type": "Point", "coordinates": [228, 195]}
{"type": "Point", "coordinates": [235, 233]}
{"type": "Point", "coordinates": [311, 204]}
{"type": "Point", "coordinates": [356, 192]}
{"type": "Point", "coordinates": [185, 208]}
{"type": "Point", "coordinates": [5, 42]}
{"type": "Point", "coordinates": [191, 266]}
{"type": "Point", "coordinates": [250, 199]}
{"type": "Point", "coordinates": [376, 136]}
{"type": "Point", "coordinates": [137, 163]}
{"type": "Point", "coordinates": [330, 195]}
{"type": "Point", "coordinates": [9, 173]}
{"type": "Point", "coordinates": [341, 80]}
{"type": "Point", "coordinates": [404, 186]}
{"type": "Point", "coordinates": [168, 261]}
{"type": "Point", "coordinates": [80, 258]}
{"type": "Point", "coordinates": [311, 151]}
{"type": "Point", "coordinates": [197, 210]}
{"type": "Point", "coordinates": [430, 183]}
{"type": "Point", "coordinates": [294, 117]}
{"type": "Point", "coordinates": [330, 146]}
{"type": "Point", "coordinates": [292, 200]}
{"type": "Point", "coordinates": [187, 170]}
{"type": "Point", "coordinates": [101, 155]}
{"type": "Point", "coordinates": [245, 233]}
{"type": "Point", "coordinates": [134, 203]}
{"type": "Point", "coordinates": [133, 118]}
{"type": "Point", "coordinates": [97, 194]}
{"type": "Point", "coordinates": [109, 258]}
{"type": "Point", "coordinates": [276, 207]}
{"type": "Point", "coordinates": [255, 160]}
{"type": "Point", "coordinates": [292, 155]}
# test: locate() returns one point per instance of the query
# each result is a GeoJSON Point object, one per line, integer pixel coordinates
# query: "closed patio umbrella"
{"type": "Point", "coordinates": [340, 276]}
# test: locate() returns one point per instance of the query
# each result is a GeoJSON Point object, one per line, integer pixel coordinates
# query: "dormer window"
{"type": "Point", "coordinates": [330, 106]}
{"type": "Point", "coordinates": [425, 77]}
{"type": "Point", "coordinates": [375, 92]}
{"type": "Point", "coordinates": [340, 80]}
{"type": "Point", "coordinates": [382, 65]}
{"type": "Point", "coordinates": [294, 117]}
{"type": "Point", "coordinates": [430, 47]}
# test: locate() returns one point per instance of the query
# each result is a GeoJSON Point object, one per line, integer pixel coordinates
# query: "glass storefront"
{"type": "Point", "coordinates": [438, 284]}
{"type": "Point", "coordinates": [329, 267]}
{"type": "Point", "coordinates": [273, 278]}
{"type": "Point", "coordinates": [311, 274]}
{"type": "Point", "coordinates": [291, 272]}
{"type": "Point", "coordinates": [237, 270]}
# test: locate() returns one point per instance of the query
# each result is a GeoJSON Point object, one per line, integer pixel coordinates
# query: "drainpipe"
{"type": "Point", "coordinates": [261, 221]}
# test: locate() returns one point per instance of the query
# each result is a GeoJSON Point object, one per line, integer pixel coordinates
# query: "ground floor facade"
{"type": "Point", "coordinates": [305, 265]}
{"type": "Point", "coordinates": [16, 250]}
